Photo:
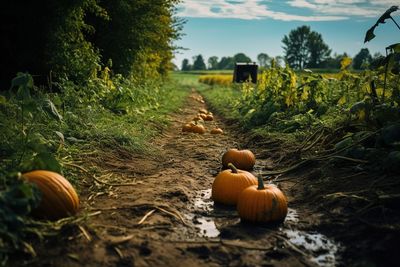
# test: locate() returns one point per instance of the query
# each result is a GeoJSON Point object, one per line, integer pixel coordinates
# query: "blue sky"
{"type": "Point", "coordinates": [226, 27]}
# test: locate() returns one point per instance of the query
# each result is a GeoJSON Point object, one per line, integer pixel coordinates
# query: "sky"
{"type": "Point", "coordinates": [226, 27]}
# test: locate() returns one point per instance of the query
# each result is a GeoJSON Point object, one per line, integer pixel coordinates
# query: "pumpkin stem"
{"type": "Point", "coordinates": [233, 168]}
{"type": "Point", "coordinates": [260, 183]}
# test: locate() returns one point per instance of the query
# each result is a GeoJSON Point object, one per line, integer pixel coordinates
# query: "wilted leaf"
{"type": "Point", "coordinates": [59, 134]}
{"type": "Point", "coordinates": [387, 14]}
{"type": "Point", "coordinates": [370, 34]}
{"type": "Point", "coordinates": [345, 63]}
{"type": "Point", "coordinates": [29, 249]}
{"type": "Point", "coordinates": [51, 109]}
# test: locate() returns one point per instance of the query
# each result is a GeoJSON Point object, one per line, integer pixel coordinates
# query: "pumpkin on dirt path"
{"type": "Point", "coordinates": [242, 159]}
{"type": "Point", "coordinates": [59, 198]}
{"type": "Point", "coordinates": [262, 204]}
{"type": "Point", "coordinates": [229, 184]}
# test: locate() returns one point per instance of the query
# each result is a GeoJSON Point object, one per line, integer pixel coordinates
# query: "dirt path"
{"type": "Point", "coordinates": [167, 218]}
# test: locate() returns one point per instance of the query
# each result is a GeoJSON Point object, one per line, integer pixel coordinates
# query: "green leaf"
{"type": "Point", "coordinates": [22, 79]}
{"type": "Point", "coordinates": [46, 161]}
{"type": "Point", "coordinates": [3, 100]}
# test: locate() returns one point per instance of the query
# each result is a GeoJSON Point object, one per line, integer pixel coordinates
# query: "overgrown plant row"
{"type": "Point", "coordinates": [51, 131]}
{"type": "Point", "coordinates": [284, 101]}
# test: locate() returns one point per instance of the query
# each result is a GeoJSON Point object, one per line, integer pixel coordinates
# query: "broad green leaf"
{"type": "Point", "coordinates": [3, 100]}
{"type": "Point", "coordinates": [46, 161]}
{"type": "Point", "coordinates": [21, 80]}
{"type": "Point", "coordinates": [342, 100]}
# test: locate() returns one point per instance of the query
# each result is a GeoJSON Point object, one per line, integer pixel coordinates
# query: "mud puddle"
{"type": "Point", "coordinates": [315, 246]}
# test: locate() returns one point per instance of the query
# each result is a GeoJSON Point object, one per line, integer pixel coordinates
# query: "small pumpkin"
{"type": "Point", "coordinates": [216, 131]}
{"type": "Point", "coordinates": [199, 128]}
{"type": "Point", "coordinates": [59, 198]}
{"type": "Point", "coordinates": [229, 184]}
{"type": "Point", "coordinates": [262, 204]}
{"type": "Point", "coordinates": [242, 159]}
{"type": "Point", "coordinates": [203, 111]}
{"type": "Point", "coordinates": [187, 127]}
{"type": "Point", "coordinates": [203, 116]}
{"type": "Point", "coordinates": [208, 117]}
{"type": "Point", "coordinates": [197, 118]}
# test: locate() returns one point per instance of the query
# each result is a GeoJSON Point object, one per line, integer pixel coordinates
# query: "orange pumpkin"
{"type": "Point", "coordinates": [229, 184]}
{"type": "Point", "coordinates": [187, 127]}
{"type": "Point", "coordinates": [59, 198]}
{"type": "Point", "coordinates": [203, 111]}
{"type": "Point", "coordinates": [242, 159]}
{"type": "Point", "coordinates": [202, 115]}
{"type": "Point", "coordinates": [208, 117]}
{"type": "Point", "coordinates": [216, 131]}
{"type": "Point", "coordinates": [262, 204]}
{"type": "Point", "coordinates": [198, 128]}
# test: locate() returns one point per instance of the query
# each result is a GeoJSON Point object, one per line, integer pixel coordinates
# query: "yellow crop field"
{"type": "Point", "coordinates": [217, 79]}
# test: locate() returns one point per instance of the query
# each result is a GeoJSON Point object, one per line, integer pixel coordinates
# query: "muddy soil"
{"type": "Point", "coordinates": [166, 218]}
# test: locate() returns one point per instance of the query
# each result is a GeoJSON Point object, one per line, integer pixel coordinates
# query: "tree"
{"type": "Point", "coordinates": [198, 63]}
{"type": "Point", "coordinates": [305, 48]}
{"type": "Point", "coordinates": [318, 50]}
{"type": "Point", "coordinates": [212, 63]}
{"type": "Point", "coordinates": [226, 63]}
{"type": "Point", "coordinates": [185, 65]}
{"type": "Point", "coordinates": [296, 49]}
{"type": "Point", "coordinates": [362, 59]}
{"type": "Point", "coordinates": [241, 57]}
{"type": "Point", "coordinates": [263, 60]}
{"type": "Point", "coordinates": [333, 62]}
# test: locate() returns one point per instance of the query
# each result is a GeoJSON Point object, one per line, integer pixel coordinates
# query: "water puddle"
{"type": "Point", "coordinates": [204, 203]}
{"type": "Point", "coordinates": [319, 249]}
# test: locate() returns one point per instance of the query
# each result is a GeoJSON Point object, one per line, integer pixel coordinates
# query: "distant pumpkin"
{"type": "Point", "coordinates": [208, 117]}
{"type": "Point", "coordinates": [59, 198]}
{"type": "Point", "coordinates": [216, 131]}
{"type": "Point", "coordinates": [199, 128]}
{"type": "Point", "coordinates": [229, 184]}
{"type": "Point", "coordinates": [242, 159]}
{"type": "Point", "coordinates": [203, 111]}
{"type": "Point", "coordinates": [262, 204]}
{"type": "Point", "coordinates": [187, 127]}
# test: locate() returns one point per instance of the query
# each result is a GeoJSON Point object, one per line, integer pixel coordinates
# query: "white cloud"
{"type": "Point", "coordinates": [321, 10]}
{"type": "Point", "coordinates": [363, 8]}
{"type": "Point", "coordinates": [250, 9]}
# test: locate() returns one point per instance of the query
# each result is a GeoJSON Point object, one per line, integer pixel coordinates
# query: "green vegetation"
{"type": "Point", "coordinates": [350, 108]}
{"type": "Point", "coordinates": [49, 130]}
{"type": "Point", "coordinates": [97, 81]}
{"type": "Point", "coordinates": [74, 40]}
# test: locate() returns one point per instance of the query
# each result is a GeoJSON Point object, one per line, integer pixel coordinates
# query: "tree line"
{"type": "Point", "coordinates": [303, 48]}
{"type": "Point", "coordinates": [72, 39]}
